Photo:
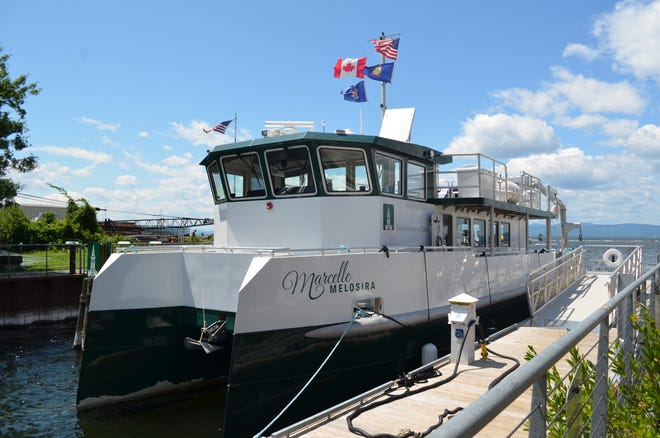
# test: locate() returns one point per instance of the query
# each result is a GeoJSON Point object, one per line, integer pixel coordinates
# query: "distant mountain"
{"type": "Point", "coordinates": [596, 231]}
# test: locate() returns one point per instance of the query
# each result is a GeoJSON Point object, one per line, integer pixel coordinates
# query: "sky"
{"type": "Point", "coordinates": [568, 91]}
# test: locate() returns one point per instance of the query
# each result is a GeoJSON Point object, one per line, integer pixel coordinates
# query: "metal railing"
{"type": "Point", "coordinates": [42, 259]}
{"type": "Point", "coordinates": [535, 373]}
{"type": "Point", "coordinates": [547, 282]}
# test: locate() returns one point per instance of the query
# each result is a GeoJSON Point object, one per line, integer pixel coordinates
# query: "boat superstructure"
{"type": "Point", "coordinates": [318, 236]}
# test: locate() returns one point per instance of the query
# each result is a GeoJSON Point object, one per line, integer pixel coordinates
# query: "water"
{"type": "Point", "coordinates": [39, 377]}
{"type": "Point", "coordinates": [38, 381]}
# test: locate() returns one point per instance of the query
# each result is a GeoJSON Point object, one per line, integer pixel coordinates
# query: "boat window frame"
{"type": "Point", "coordinates": [228, 185]}
{"type": "Point", "coordinates": [311, 175]}
{"type": "Point", "coordinates": [424, 183]}
{"type": "Point", "coordinates": [321, 167]}
{"type": "Point", "coordinates": [505, 241]}
{"type": "Point", "coordinates": [400, 172]}
{"type": "Point", "coordinates": [463, 239]}
{"type": "Point", "coordinates": [483, 241]}
{"type": "Point", "coordinates": [216, 184]}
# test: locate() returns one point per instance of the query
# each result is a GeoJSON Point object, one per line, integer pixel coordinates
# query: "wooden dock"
{"type": "Point", "coordinates": [419, 411]}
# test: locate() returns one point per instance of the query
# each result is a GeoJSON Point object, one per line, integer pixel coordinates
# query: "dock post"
{"type": "Point", "coordinates": [83, 307]}
{"type": "Point", "coordinates": [462, 317]}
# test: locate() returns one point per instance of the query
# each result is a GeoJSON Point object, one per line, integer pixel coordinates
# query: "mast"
{"type": "Point", "coordinates": [383, 103]}
{"type": "Point", "coordinates": [235, 125]}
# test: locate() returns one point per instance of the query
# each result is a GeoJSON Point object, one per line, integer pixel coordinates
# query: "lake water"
{"type": "Point", "coordinates": [38, 381]}
{"type": "Point", "coordinates": [39, 376]}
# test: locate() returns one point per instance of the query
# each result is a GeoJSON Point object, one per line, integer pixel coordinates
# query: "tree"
{"type": "Point", "coordinates": [80, 221]}
{"type": "Point", "coordinates": [13, 130]}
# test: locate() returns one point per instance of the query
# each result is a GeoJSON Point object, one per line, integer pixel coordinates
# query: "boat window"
{"type": "Point", "coordinates": [215, 179]}
{"type": "Point", "coordinates": [290, 171]}
{"type": "Point", "coordinates": [505, 234]}
{"type": "Point", "coordinates": [479, 232]}
{"type": "Point", "coordinates": [388, 170]}
{"type": "Point", "coordinates": [244, 177]}
{"type": "Point", "coordinates": [344, 170]}
{"type": "Point", "coordinates": [463, 231]}
{"type": "Point", "coordinates": [416, 181]}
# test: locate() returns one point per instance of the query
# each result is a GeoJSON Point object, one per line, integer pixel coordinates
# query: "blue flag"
{"type": "Point", "coordinates": [380, 72]}
{"type": "Point", "coordinates": [355, 93]}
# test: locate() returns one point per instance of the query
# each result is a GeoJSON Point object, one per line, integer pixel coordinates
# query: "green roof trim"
{"type": "Point", "coordinates": [381, 143]}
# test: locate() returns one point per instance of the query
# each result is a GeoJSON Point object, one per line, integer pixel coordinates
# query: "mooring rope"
{"type": "Point", "coordinates": [357, 313]}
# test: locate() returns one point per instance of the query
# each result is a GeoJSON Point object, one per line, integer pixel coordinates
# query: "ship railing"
{"type": "Point", "coordinates": [343, 249]}
{"type": "Point", "coordinates": [590, 408]}
{"type": "Point", "coordinates": [480, 176]}
{"type": "Point", "coordinates": [544, 284]}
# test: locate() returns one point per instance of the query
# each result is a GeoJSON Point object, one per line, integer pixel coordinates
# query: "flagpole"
{"type": "Point", "coordinates": [383, 104]}
{"type": "Point", "coordinates": [235, 126]}
{"type": "Point", "coordinates": [360, 119]}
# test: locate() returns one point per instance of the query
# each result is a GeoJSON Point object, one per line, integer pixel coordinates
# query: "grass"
{"type": "Point", "coordinates": [49, 258]}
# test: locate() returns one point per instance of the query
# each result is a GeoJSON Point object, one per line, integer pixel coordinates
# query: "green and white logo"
{"type": "Point", "coordinates": [388, 217]}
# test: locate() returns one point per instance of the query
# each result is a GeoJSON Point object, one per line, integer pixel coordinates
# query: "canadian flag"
{"type": "Point", "coordinates": [350, 67]}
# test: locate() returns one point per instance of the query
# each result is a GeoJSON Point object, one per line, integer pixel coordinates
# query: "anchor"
{"type": "Point", "coordinates": [208, 338]}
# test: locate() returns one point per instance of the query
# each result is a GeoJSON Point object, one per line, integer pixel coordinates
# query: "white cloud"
{"type": "Point", "coordinates": [501, 135]}
{"type": "Point", "coordinates": [537, 103]}
{"type": "Point", "coordinates": [593, 185]}
{"type": "Point", "coordinates": [76, 152]}
{"type": "Point", "coordinates": [645, 142]}
{"type": "Point", "coordinates": [178, 160]}
{"type": "Point", "coordinates": [583, 121]}
{"type": "Point", "coordinates": [195, 134]}
{"type": "Point", "coordinates": [581, 51]}
{"type": "Point", "coordinates": [632, 33]}
{"type": "Point", "coordinates": [594, 96]}
{"type": "Point", "coordinates": [114, 127]}
{"type": "Point", "coordinates": [126, 180]}
{"type": "Point", "coordinates": [143, 134]}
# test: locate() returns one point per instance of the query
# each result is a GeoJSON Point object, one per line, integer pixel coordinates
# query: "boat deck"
{"type": "Point", "coordinates": [420, 411]}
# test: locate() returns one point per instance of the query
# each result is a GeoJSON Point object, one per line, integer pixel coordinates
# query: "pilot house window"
{"type": "Point", "coordinates": [388, 170]}
{"type": "Point", "coordinates": [244, 176]}
{"type": "Point", "coordinates": [216, 182]}
{"type": "Point", "coordinates": [344, 170]}
{"type": "Point", "coordinates": [290, 171]}
{"type": "Point", "coordinates": [415, 181]}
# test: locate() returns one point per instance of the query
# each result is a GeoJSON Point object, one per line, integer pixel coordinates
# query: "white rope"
{"type": "Point", "coordinates": [355, 315]}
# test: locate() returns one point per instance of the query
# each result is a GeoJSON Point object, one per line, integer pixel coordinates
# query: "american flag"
{"type": "Point", "coordinates": [388, 47]}
{"type": "Point", "coordinates": [221, 127]}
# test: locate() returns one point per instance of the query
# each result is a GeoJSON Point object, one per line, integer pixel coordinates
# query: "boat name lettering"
{"type": "Point", "coordinates": [316, 284]}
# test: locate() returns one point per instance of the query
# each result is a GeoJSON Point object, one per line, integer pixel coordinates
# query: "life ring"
{"type": "Point", "coordinates": [612, 257]}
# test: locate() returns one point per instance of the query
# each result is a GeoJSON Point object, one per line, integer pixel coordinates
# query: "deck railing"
{"type": "Point", "coordinates": [547, 282]}
{"type": "Point", "coordinates": [626, 303]}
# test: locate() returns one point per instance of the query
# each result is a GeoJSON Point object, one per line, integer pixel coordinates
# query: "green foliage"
{"type": "Point", "coordinates": [639, 387]}
{"type": "Point", "coordinates": [14, 226]}
{"type": "Point", "coordinates": [80, 225]}
{"type": "Point", "coordinates": [566, 418]}
{"type": "Point", "coordinates": [13, 130]}
{"type": "Point", "coordinates": [633, 398]}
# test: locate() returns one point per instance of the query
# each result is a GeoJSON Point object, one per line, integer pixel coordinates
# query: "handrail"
{"type": "Point", "coordinates": [633, 264]}
{"type": "Point", "coordinates": [478, 414]}
{"type": "Point", "coordinates": [545, 283]}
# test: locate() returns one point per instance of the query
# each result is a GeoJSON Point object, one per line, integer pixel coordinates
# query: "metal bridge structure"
{"type": "Point", "coordinates": [162, 223]}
